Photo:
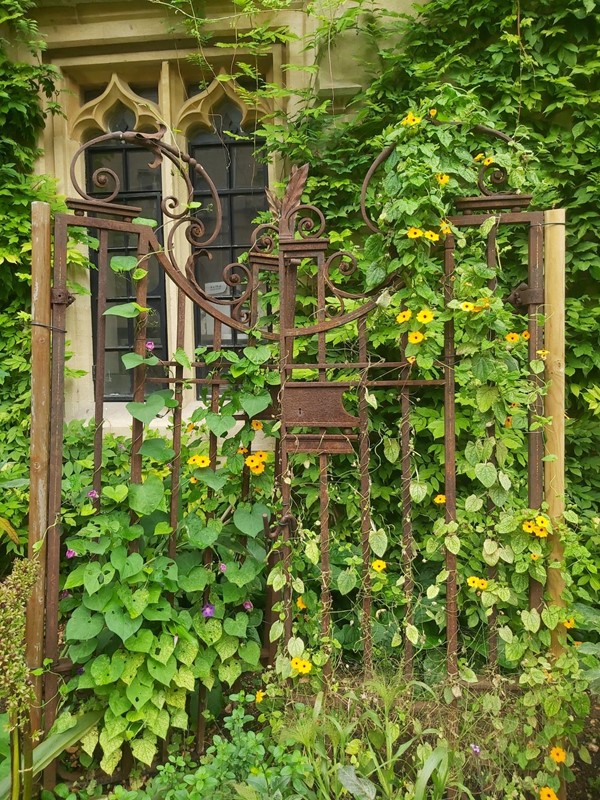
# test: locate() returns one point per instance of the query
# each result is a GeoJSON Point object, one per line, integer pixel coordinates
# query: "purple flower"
{"type": "Point", "coordinates": [70, 553]}
{"type": "Point", "coordinates": [208, 611]}
{"type": "Point", "coordinates": [222, 567]}
{"type": "Point", "coordinates": [248, 605]}
{"type": "Point", "coordinates": [150, 346]}
{"type": "Point", "coordinates": [93, 494]}
{"type": "Point", "coordinates": [63, 594]}
{"type": "Point", "coordinates": [80, 670]}
{"type": "Point", "coordinates": [476, 749]}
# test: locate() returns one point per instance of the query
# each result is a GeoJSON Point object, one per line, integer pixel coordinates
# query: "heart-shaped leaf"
{"type": "Point", "coordinates": [144, 498]}
{"type": "Point", "coordinates": [249, 519]}
{"type": "Point", "coordinates": [253, 404]}
{"type": "Point", "coordinates": [147, 411]}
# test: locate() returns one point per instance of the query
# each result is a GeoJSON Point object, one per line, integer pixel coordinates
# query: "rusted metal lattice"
{"type": "Point", "coordinates": [312, 414]}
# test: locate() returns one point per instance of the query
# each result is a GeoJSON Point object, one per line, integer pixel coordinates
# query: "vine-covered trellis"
{"type": "Point", "coordinates": [309, 412]}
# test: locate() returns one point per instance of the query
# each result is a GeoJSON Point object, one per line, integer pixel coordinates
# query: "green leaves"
{"type": "Point", "coordinates": [83, 625]}
{"type": "Point", "coordinates": [145, 412]}
{"type": "Point", "coordinates": [126, 310]}
{"type": "Point", "coordinates": [486, 473]}
{"type": "Point", "coordinates": [248, 518]}
{"type": "Point", "coordinates": [144, 498]}
{"type": "Point", "coordinates": [253, 404]}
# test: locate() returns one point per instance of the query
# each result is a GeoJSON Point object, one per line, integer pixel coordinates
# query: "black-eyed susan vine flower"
{"type": "Point", "coordinates": [534, 556]}
{"type": "Point", "coordinates": [526, 335]}
{"type": "Point", "coordinates": [301, 665]}
{"type": "Point", "coordinates": [199, 461]}
{"type": "Point", "coordinates": [433, 112]}
{"type": "Point", "coordinates": [378, 565]}
{"type": "Point", "coordinates": [432, 236]}
{"type": "Point", "coordinates": [543, 354]}
{"type": "Point", "coordinates": [512, 338]}
{"type": "Point", "coordinates": [242, 450]}
{"type": "Point", "coordinates": [301, 604]}
{"type": "Point", "coordinates": [415, 337]}
{"type": "Point", "coordinates": [425, 316]}
{"type": "Point", "coordinates": [260, 696]}
{"type": "Point", "coordinates": [541, 533]}
{"type": "Point", "coordinates": [440, 499]}
{"type": "Point", "coordinates": [487, 161]}
{"type": "Point", "coordinates": [262, 455]}
{"type": "Point", "coordinates": [569, 622]}
{"type": "Point", "coordinates": [442, 178]}
{"type": "Point", "coordinates": [411, 359]}
{"type": "Point", "coordinates": [414, 233]}
{"type": "Point", "coordinates": [256, 425]}
{"type": "Point", "coordinates": [479, 157]}
{"type": "Point", "coordinates": [410, 119]}
{"type": "Point", "coordinates": [482, 584]}
{"type": "Point", "coordinates": [558, 755]}
{"type": "Point", "coordinates": [546, 793]}
{"type": "Point", "coordinates": [445, 228]}
{"type": "Point", "coordinates": [528, 526]}
{"type": "Point", "coordinates": [295, 663]}
{"type": "Point", "coordinates": [473, 582]}
{"type": "Point", "coordinates": [404, 316]}
{"type": "Point", "coordinates": [466, 306]}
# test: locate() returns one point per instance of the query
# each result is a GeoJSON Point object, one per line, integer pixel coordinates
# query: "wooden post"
{"type": "Point", "coordinates": [41, 273]}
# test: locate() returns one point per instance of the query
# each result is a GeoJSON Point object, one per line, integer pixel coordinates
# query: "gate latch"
{"type": "Point", "coordinates": [61, 297]}
{"type": "Point", "coordinates": [522, 297]}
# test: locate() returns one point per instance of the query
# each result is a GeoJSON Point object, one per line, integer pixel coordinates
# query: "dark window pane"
{"type": "Point", "coordinates": [117, 381]}
{"type": "Point", "coordinates": [140, 176]}
{"type": "Point", "coordinates": [247, 172]}
{"type": "Point", "coordinates": [119, 331]}
{"type": "Point", "coordinates": [105, 160]}
{"type": "Point", "coordinates": [120, 118]}
{"type": "Point", "coordinates": [245, 209]}
{"type": "Point", "coordinates": [215, 160]}
{"type": "Point", "coordinates": [209, 272]}
{"type": "Point", "coordinates": [207, 214]}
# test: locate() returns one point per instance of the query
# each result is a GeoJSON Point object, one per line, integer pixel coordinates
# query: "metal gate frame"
{"type": "Point", "coordinates": [297, 233]}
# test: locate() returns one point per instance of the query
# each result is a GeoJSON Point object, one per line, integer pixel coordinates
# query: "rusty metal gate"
{"type": "Point", "coordinates": [311, 412]}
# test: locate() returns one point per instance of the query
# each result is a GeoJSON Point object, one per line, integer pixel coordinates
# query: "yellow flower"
{"type": "Point", "coordinates": [203, 461]}
{"type": "Point", "coordinates": [415, 337]}
{"type": "Point", "coordinates": [404, 316]}
{"type": "Point", "coordinates": [410, 119]}
{"type": "Point", "coordinates": [445, 228]}
{"type": "Point", "coordinates": [473, 581]}
{"type": "Point", "coordinates": [378, 565]}
{"type": "Point", "coordinates": [534, 556]}
{"type": "Point", "coordinates": [440, 499]}
{"type": "Point", "coordinates": [541, 533]}
{"type": "Point", "coordinates": [542, 522]}
{"type": "Point", "coordinates": [528, 526]}
{"type": "Point", "coordinates": [414, 233]}
{"type": "Point", "coordinates": [193, 460]}
{"type": "Point", "coordinates": [526, 335]}
{"type": "Point", "coordinates": [432, 236]}
{"type": "Point", "coordinates": [260, 696]}
{"type": "Point", "coordinates": [242, 450]}
{"type": "Point", "coordinates": [487, 161]}
{"type": "Point", "coordinates": [261, 455]}
{"type": "Point", "coordinates": [411, 359]}
{"type": "Point", "coordinates": [543, 354]}
{"type": "Point", "coordinates": [305, 667]}
{"type": "Point", "coordinates": [433, 112]}
{"type": "Point", "coordinates": [546, 793]}
{"type": "Point", "coordinates": [508, 422]}
{"type": "Point", "coordinates": [558, 754]}
{"type": "Point", "coordinates": [258, 469]}
{"type": "Point", "coordinates": [295, 663]}
{"type": "Point", "coordinates": [467, 306]}
{"type": "Point", "coordinates": [425, 316]}
{"type": "Point", "coordinates": [301, 604]}
{"type": "Point", "coordinates": [193, 480]}
{"type": "Point", "coordinates": [190, 427]}
{"type": "Point", "coordinates": [478, 157]}
{"type": "Point", "coordinates": [442, 178]}
{"type": "Point", "coordinates": [512, 337]}
{"type": "Point", "coordinates": [569, 623]}
{"type": "Point", "coordinates": [256, 425]}
{"type": "Point", "coordinates": [252, 461]}
{"type": "Point", "coordinates": [482, 584]}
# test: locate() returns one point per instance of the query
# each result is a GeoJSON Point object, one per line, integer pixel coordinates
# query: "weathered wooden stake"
{"type": "Point", "coordinates": [41, 270]}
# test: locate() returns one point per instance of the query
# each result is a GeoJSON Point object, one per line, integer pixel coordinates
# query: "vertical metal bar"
{"type": "Point", "coordinates": [100, 364]}
{"type": "Point", "coordinates": [57, 413]}
{"type": "Point", "coordinates": [365, 504]}
{"type": "Point", "coordinates": [492, 632]}
{"type": "Point", "coordinates": [325, 562]}
{"type": "Point", "coordinates": [535, 465]}
{"type": "Point", "coordinates": [450, 464]}
{"type": "Point", "coordinates": [41, 278]}
{"type": "Point", "coordinates": [407, 535]}
{"type": "Point", "coordinates": [177, 418]}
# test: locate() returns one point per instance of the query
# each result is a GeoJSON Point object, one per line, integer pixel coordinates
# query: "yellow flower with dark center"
{"type": "Point", "coordinates": [414, 233]}
{"type": "Point", "coordinates": [482, 584]}
{"type": "Point", "coordinates": [256, 425]}
{"type": "Point", "coordinates": [258, 469]}
{"type": "Point", "coordinates": [487, 161]}
{"type": "Point", "coordinates": [425, 316]}
{"type": "Point", "coordinates": [261, 455]}
{"type": "Point", "coordinates": [433, 112]}
{"type": "Point", "coordinates": [305, 667]}
{"type": "Point", "coordinates": [478, 157]}
{"type": "Point", "coordinates": [193, 480]}
{"type": "Point", "coordinates": [534, 556]}
{"type": "Point", "coordinates": [301, 604]}
{"type": "Point", "coordinates": [512, 338]}
{"type": "Point", "coordinates": [193, 461]}
{"type": "Point", "coordinates": [528, 526]}
{"type": "Point", "coordinates": [440, 499]}
{"type": "Point", "coordinates": [546, 793]}
{"type": "Point", "coordinates": [410, 119]}
{"type": "Point", "coordinates": [558, 755]}
{"type": "Point", "coordinates": [295, 663]}
{"type": "Point", "coordinates": [569, 622]}
{"type": "Point", "coordinates": [432, 236]}
{"type": "Point", "coordinates": [445, 228]}
{"type": "Point", "coordinates": [526, 335]}
{"type": "Point", "coordinates": [203, 461]}
{"type": "Point", "coordinates": [242, 450]}
{"type": "Point", "coordinates": [473, 581]}
{"type": "Point", "coordinates": [378, 565]}
{"type": "Point", "coordinates": [260, 696]}
{"type": "Point", "coordinates": [508, 422]}
{"type": "Point", "coordinates": [541, 533]}
{"type": "Point", "coordinates": [442, 178]}
{"type": "Point", "coordinates": [404, 316]}
{"type": "Point", "coordinates": [542, 522]}
{"type": "Point", "coordinates": [415, 337]}
{"type": "Point", "coordinates": [543, 354]}
{"type": "Point", "coordinates": [466, 306]}
{"type": "Point", "coordinates": [411, 359]}
{"type": "Point", "coordinates": [252, 461]}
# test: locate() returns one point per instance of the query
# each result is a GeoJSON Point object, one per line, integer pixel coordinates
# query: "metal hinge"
{"type": "Point", "coordinates": [61, 297]}
{"type": "Point", "coordinates": [522, 297]}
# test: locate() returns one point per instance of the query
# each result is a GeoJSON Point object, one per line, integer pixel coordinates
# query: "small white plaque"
{"type": "Point", "coordinates": [216, 288]}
